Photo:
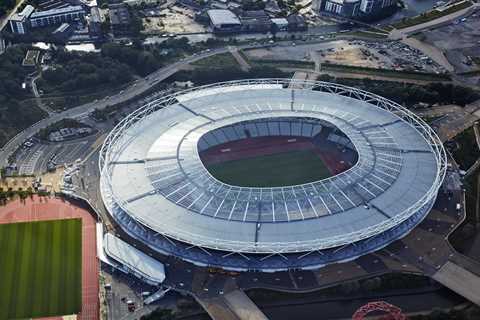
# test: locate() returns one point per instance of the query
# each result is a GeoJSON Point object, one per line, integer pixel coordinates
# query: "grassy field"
{"type": "Point", "coordinates": [277, 63]}
{"type": "Point", "coordinates": [431, 15]}
{"type": "Point", "coordinates": [276, 170]}
{"type": "Point", "coordinates": [217, 61]}
{"type": "Point", "coordinates": [425, 76]}
{"type": "Point", "coordinates": [41, 268]}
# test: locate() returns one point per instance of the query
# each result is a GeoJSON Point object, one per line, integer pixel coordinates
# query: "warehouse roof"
{"type": "Point", "coordinates": [53, 12]}
{"type": "Point", "coordinates": [220, 17]}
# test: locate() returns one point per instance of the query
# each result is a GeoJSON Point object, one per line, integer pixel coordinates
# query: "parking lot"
{"type": "Point", "coordinates": [34, 160]}
{"type": "Point", "coordinates": [386, 55]}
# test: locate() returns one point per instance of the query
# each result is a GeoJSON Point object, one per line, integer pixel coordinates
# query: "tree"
{"type": "Point", "coordinates": [160, 314]}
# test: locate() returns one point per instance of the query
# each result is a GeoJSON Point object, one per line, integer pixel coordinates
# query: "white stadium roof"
{"type": "Point", "coordinates": [133, 259]}
{"type": "Point", "coordinates": [151, 169]}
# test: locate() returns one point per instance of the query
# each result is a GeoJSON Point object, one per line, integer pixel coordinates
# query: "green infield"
{"type": "Point", "coordinates": [41, 268]}
{"type": "Point", "coordinates": [281, 169]}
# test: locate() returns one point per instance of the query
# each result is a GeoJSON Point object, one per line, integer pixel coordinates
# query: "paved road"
{"type": "Point", "coordinates": [397, 34]}
{"type": "Point", "coordinates": [134, 90]}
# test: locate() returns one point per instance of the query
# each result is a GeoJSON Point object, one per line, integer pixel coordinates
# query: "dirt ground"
{"type": "Point", "coordinates": [458, 40]}
{"type": "Point", "coordinates": [173, 20]}
{"type": "Point", "coordinates": [16, 183]}
{"type": "Point", "coordinates": [51, 180]}
{"type": "Point", "coordinates": [338, 52]}
{"type": "Point", "coordinates": [386, 55]}
{"type": "Point", "coordinates": [352, 56]}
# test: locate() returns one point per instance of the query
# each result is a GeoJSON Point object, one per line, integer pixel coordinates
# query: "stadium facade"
{"type": "Point", "coordinates": [157, 189]}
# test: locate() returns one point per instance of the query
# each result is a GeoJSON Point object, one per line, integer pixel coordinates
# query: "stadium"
{"type": "Point", "coordinates": [270, 174]}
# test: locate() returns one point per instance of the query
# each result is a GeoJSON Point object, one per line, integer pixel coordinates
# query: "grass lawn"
{"type": "Point", "coordinates": [431, 15]}
{"type": "Point", "coordinates": [426, 76]}
{"type": "Point", "coordinates": [366, 34]}
{"type": "Point", "coordinates": [217, 61]}
{"type": "Point", "coordinates": [277, 63]}
{"type": "Point", "coordinates": [41, 268]}
{"type": "Point", "coordinates": [276, 170]}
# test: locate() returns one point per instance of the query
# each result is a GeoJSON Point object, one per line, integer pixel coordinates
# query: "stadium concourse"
{"type": "Point", "coordinates": [157, 188]}
{"type": "Point", "coordinates": [46, 208]}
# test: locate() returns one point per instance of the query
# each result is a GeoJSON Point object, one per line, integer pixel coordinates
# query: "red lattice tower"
{"type": "Point", "coordinates": [393, 312]}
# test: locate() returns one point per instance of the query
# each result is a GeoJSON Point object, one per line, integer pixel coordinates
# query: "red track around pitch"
{"type": "Point", "coordinates": [42, 208]}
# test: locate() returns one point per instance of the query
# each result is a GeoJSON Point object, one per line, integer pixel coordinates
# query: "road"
{"type": "Point", "coordinates": [134, 90]}
{"type": "Point", "coordinates": [398, 34]}
{"type": "Point", "coordinates": [429, 50]}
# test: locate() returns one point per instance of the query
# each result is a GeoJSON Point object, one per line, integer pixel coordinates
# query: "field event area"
{"type": "Point", "coordinates": [42, 262]}
{"type": "Point", "coordinates": [276, 161]}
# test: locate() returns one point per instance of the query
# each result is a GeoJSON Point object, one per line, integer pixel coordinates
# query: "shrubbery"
{"type": "Point", "coordinates": [13, 115]}
{"type": "Point", "coordinates": [410, 94]}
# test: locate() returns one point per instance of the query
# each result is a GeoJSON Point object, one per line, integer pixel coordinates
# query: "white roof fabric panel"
{"type": "Point", "coordinates": [154, 172]}
{"type": "Point", "coordinates": [133, 258]}
{"type": "Point", "coordinates": [220, 16]}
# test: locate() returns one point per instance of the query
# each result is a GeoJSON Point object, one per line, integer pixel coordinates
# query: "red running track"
{"type": "Point", "coordinates": [43, 208]}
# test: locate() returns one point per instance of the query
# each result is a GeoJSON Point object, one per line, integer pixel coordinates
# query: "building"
{"type": "Point", "coordinates": [354, 8]}
{"type": "Point", "coordinates": [296, 22]}
{"type": "Point", "coordinates": [371, 7]}
{"type": "Point", "coordinates": [224, 21]}
{"type": "Point", "coordinates": [255, 21]}
{"type": "Point", "coordinates": [280, 24]}
{"type": "Point", "coordinates": [19, 21]}
{"type": "Point", "coordinates": [345, 8]}
{"type": "Point", "coordinates": [58, 16]}
{"type": "Point", "coordinates": [63, 32]}
{"type": "Point", "coordinates": [94, 22]}
{"type": "Point", "coordinates": [68, 134]}
{"type": "Point", "coordinates": [157, 188]}
{"type": "Point", "coordinates": [120, 19]}
{"type": "Point", "coordinates": [128, 259]}
{"type": "Point", "coordinates": [31, 59]}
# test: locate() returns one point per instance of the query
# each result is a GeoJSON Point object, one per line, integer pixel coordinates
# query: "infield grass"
{"type": "Point", "coordinates": [40, 268]}
{"type": "Point", "coordinates": [281, 169]}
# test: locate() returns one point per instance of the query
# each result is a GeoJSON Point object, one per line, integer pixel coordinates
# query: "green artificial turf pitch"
{"type": "Point", "coordinates": [40, 268]}
{"type": "Point", "coordinates": [281, 169]}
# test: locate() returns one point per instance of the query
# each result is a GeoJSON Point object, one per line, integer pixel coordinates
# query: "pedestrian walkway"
{"type": "Point", "coordinates": [460, 280]}
{"type": "Point", "coordinates": [235, 305]}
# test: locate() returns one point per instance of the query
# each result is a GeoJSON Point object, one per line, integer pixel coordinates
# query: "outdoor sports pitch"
{"type": "Point", "coordinates": [275, 170]}
{"type": "Point", "coordinates": [41, 268]}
